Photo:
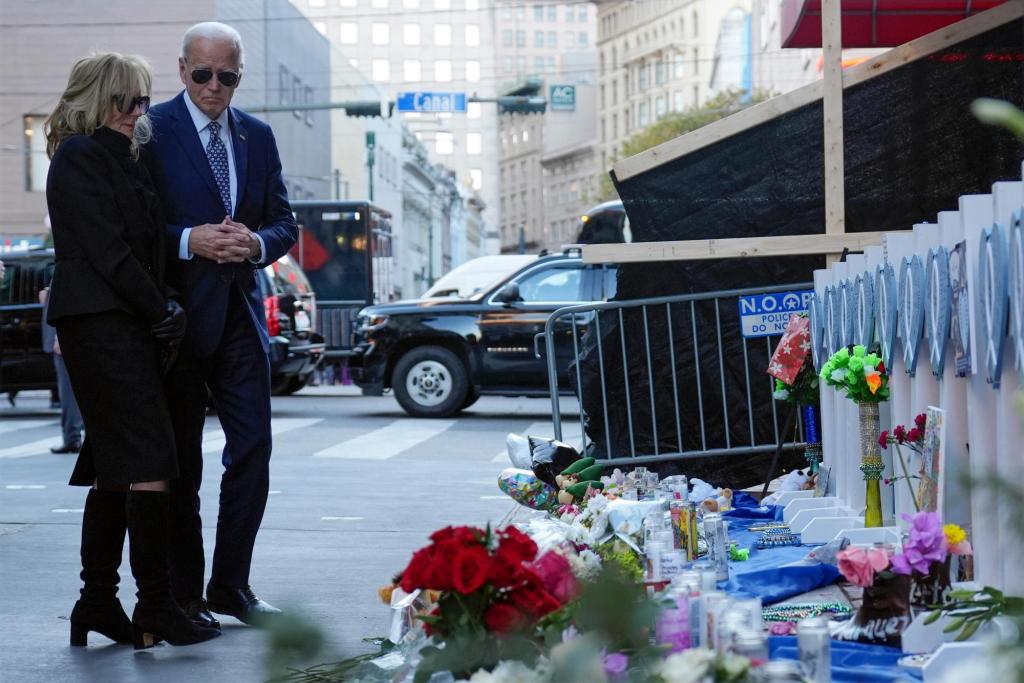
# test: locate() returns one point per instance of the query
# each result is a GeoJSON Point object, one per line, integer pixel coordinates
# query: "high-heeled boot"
{"type": "Point", "coordinates": [157, 616]}
{"type": "Point", "coordinates": [98, 609]}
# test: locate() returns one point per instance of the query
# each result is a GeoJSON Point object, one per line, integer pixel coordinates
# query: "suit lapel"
{"type": "Point", "coordinates": [240, 149]}
{"type": "Point", "coordinates": [188, 138]}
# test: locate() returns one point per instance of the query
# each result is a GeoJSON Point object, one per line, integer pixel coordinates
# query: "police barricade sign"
{"type": "Point", "coordinates": [763, 315]}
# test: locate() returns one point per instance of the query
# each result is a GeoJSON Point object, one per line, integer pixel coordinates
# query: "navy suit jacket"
{"type": "Point", "coordinates": [188, 191]}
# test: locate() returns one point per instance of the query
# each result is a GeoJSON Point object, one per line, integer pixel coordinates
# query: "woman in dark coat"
{"type": "Point", "coordinates": [116, 326]}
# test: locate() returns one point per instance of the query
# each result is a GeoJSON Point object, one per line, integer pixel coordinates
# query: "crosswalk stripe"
{"type": "Point", "coordinates": [572, 434]}
{"type": "Point", "coordinates": [31, 448]}
{"type": "Point", "coordinates": [214, 439]}
{"type": "Point", "coordinates": [388, 441]}
{"type": "Point", "coordinates": [7, 426]}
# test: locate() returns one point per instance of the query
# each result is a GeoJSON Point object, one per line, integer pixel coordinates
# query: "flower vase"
{"type": "Point", "coordinates": [931, 589]}
{"type": "Point", "coordinates": [871, 463]}
{"type": "Point", "coordinates": [883, 614]}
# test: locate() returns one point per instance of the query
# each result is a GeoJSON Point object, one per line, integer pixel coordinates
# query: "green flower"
{"type": "Point", "coordinates": [856, 366]}
{"type": "Point", "coordinates": [872, 360]}
{"type": "Point", "coordinates": [842, 355]}
{"type": "Point", "coordinates": [860, 351]}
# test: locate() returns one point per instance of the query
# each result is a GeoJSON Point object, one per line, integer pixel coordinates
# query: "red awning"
{"type": "Point", "coordinates": [876, 23]}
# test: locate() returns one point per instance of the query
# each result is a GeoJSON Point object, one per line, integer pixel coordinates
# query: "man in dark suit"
{"type": "Point", "coordinates": [219, 176]}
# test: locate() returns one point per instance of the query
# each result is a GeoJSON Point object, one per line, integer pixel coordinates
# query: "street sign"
{"type": "Point", "coordinates": [432, 102]}
{"type": "Point", "coordinates": [563, 97]}
{"type": "Point", "coordinates": [762, 315]}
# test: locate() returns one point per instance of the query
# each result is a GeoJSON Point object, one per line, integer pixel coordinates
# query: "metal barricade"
{"type": "Point", "coordinates": [671, 369]}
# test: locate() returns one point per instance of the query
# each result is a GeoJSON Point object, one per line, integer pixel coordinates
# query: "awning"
{"type": "Point", "coordinates": [876, 23]}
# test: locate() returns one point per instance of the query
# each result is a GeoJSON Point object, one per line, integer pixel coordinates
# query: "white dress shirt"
{"type": "Point", "coordinates": [202, 124]}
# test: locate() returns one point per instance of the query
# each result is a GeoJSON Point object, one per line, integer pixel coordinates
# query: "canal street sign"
{"type": "Point", "coordinates": [763, 315]}
{"type": "Point", "coordinates": [432, 102]}
{"type": "Point", "coordinates": [562, 98]}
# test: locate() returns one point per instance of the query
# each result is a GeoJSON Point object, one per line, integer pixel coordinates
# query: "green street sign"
{"type": "Point", "coordinates": [563, 97]}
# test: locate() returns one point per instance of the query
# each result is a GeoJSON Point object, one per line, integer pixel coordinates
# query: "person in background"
{"type": "Point", "coordinates": [115, 323]}
{"type": "Point", "coordinates": [70, 416]}
{"type": "Point", "coordinates": [219, 175]}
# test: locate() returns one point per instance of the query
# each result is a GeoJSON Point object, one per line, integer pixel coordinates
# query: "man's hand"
{"type": "Point", "coordinates": [244, 232]}
{"type": "Point", "coordinates": [222, 242]}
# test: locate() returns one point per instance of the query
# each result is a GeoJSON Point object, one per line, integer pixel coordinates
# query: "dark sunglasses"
{"type": "Point", "coordinates": [127, 106]}
{"type": "Point", "coordinates": [228, 79]}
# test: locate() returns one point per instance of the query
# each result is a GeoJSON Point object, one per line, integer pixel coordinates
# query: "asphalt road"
{"type": "Point", "coordinates": [356, 487]}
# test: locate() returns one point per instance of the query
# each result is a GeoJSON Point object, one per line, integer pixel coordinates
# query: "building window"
{"type": "Point", "coordinates": [538, 64]}
{"type": "Point", "coordinates": [412, 72]}
{"type": "Point", "coordinates": [678, 64]}
{"type": "Point", "coordinates": [526, 134]}
{"type": "Point", "coordinates": [472, 110]}
{"type": "Point", "coordinates": [615, 92]}
{"type": "Point", "coordinates": [381, 70]}
{"type": "Point", "coordinates": [538, 12]}
{"type": "Point", "coordinates": [472, 34]}
{"type": "Point", "coordinates": [381, 34]}
{"type": "Point", "coordinates": [659, 107]}
{"type": "Point", "coordinates": [444, 143]}
{"type": "Point", "coordinates": [476, 179]}
{"type": "Point", "coordinates": [349, 33]}
{"type": "Point", "coordinates": [308, 100]}
{"type": "Point", "coordinates": [582, 13]}
{"type": "Point", "coordinates": [615, 125]}
{"type": "Point", "coordinates": [643, 115]}
{"type": "Point", "coordinates": [442, 34]}
{"type": "Point", "coordinates": [538, 38]}
{"type": "Point", "coordinates": [507, 37]}
{"type": "Point", "coordinates": [642, 73]}
{"type": "Point", "coordinates": [472, 71]}
{"type": "Point", "coordinates": [284, 83]}
{"type": "Point", "coordinates": [520, 38]}
{"type": "Point", "coordinates": [520, 65]}
{"type": "Point", "coordinates": [659, 72]}
{"type": "Point", "coordinates": [583, 39]}
{"type": "Point", "coordinates": [551, 63]}
{"type": "Point", "coordinates": [474, 143]}
{"type": "Point", "coordinates": [696, 61]}
{"type": "Point", "coordinates": [570, 39]}
{"type": "Point", "coordinates": [442, 71]}
{"type": "Point", "coordinates": [677, 101]}
{"type": "Point", "coordinates": [296, 95]}
{"type": "Point", "coordinates": [506, 65]}
{"type": "Point", "coordinates": [37, 164]}
{"type": "Point", "coordinates": [552, 39]}
{"type": "Point", "coordinates": [411, 34]}
{"type": "Point", "coordinates": [321, 27]}
{"type": "Point", "coordinates": [552, 13]}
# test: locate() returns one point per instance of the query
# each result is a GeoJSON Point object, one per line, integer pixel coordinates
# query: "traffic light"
{"type": "Point", "coordinates": [522, 104]}
{"type": "Point", "coordinates": [369, 108]}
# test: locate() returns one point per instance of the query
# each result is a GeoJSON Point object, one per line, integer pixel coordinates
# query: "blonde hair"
{"type": "Point", "coordinates": [95, 83]}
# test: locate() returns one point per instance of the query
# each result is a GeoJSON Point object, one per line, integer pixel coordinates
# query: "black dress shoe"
{"type": "Point", "coordinates": [66, 448]}
{"type": "Point", "coordinates": [240, 603]}
{"type": "Point", "coordinates": [199, 612]}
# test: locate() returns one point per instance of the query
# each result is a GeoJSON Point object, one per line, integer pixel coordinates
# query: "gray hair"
{"type": "Point", "coordinates": [213, 30]}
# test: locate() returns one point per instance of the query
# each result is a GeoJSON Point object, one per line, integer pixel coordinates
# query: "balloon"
{"type": "Point", "coordinates": [525, 488]}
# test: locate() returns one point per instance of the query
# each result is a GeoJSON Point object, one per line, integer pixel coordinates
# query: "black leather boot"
{"type": "Point", "coordinates": [99, 610]}
{"type": "Point", "coordinates": [157, 616]}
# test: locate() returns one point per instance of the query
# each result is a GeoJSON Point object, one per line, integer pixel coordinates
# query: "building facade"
{"type": "Point", "coordinates": [425, 45]}
{"type": "Point", "coordinates": [41, 39]}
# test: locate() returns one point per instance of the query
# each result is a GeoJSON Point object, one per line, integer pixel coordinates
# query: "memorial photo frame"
{"type": "Point", "coordinates": [937, 310]}
{"type": "Point", "coordinates": [960, 308]}
{"type": "Point", "coordinates": [993, 300]}
{"type": "Point", "coordinates": [911, 310]}
{"type": "Point", "coordinates": [930, 488]}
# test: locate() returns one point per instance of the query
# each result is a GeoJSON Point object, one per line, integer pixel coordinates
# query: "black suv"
{"type": "Point", "coordinates": [23, 364]}
{"type": "Point", "coordinates": [440, 355]}
{"type": "Point", "coordinates": [290, 305]}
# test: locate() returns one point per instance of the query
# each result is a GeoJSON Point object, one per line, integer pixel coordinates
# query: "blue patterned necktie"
{"type": "Point", "coordinates": [218, 157]}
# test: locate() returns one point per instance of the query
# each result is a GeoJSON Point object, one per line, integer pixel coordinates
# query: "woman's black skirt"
{"type": "Point", "coordinates": [112, 359]}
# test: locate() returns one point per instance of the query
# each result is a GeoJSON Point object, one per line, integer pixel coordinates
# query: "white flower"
{"type": "Point", "coordinates": [597, 504]}
{"type": "Point", "coordinates": [688, 666]}
{"type": "Point", "coordinates": [780, 394]}
{"type": "Point", "coordinates": [511, 672]}
{"type": "Point", "coordinates": [585, 565]}
{"type": "Point", "coordinates": [839, 375]}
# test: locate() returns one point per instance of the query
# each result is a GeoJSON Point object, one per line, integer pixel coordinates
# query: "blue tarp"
{"type": "Point", "coordinates": [852, 662]}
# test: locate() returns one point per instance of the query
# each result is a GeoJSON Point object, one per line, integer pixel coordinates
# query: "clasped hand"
{"type": "Point", "coordinates": [226, 242]}
{"type": "Point", "coordinates": [171, 329]}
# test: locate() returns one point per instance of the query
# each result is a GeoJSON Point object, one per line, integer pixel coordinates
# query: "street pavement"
{"type": "Point", "coordinates": [356, 486]}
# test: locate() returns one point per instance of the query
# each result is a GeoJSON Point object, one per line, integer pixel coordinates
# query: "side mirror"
{"type": "Point", "coordinates": [509, 294]}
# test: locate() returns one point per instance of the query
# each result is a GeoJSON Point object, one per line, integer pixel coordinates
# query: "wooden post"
{"type": "Point", "coordinates": [832, 106]}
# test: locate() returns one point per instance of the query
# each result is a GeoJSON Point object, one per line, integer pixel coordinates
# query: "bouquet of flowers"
{"type": "Point", "coordinates": [860, 374]}
{"type": "Point", "coordinates": [494, 595]}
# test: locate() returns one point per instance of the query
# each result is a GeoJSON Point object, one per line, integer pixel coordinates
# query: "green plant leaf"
{"type": "Point", "coordinates": [969, 630]}
{"type": "Point", "coordinates": [933, 617]}
{"type": "Point", "coordinates": [953, 625]}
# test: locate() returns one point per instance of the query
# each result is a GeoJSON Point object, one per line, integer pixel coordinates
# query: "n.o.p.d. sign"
{"type": "Point", "coordinates": [762, 315]}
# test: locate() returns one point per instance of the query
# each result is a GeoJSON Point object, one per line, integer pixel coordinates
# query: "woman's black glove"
{"type": "Point", "coordinates": [171, 330]}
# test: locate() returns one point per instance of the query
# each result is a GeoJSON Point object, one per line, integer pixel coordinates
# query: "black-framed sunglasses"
{"type": "Point", "coordinates": [127, 105]}
{"type": "Point", "coordinates": [228, 79]}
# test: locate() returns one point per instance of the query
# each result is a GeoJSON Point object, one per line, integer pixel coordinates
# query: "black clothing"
{"type": "Point", "coordinates": [106, 294]}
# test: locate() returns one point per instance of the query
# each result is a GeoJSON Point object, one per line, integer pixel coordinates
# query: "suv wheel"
{"type": "Point", "coordinates": [430, 381]}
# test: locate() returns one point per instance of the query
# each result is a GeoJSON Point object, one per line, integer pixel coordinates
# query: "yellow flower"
{"type": "Point", "coordinates": [385, 593]}
{"type": "Point", "coordinates": [954, 534]}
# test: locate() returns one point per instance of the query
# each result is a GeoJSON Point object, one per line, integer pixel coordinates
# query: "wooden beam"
{"type": "Point", "coordinates": [742, 247]}
{"type": "Point", "coordinates": [832, 120]}
{"type": "Point", "coordinates": [791, 101]}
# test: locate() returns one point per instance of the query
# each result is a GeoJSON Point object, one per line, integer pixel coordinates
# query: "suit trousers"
{"type": "Point", "coordinates": [237, 376]}
{"type": "Point", "coordinates": [70, 416]}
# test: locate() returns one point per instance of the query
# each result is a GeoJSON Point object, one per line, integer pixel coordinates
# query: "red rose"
{"type": "Point", "coordinates": [418, 570]}
{"type": "Point", "coordinates": [503, 573]}
{"type": "Point", "coordinates": [533, 601]}
{"type": "Point", "coordinates": [429, 628]}
{"type": "Point", "coordinates": [556, 574]}
{"type": "Point", "coordinates": [883, 438]}
{"type": "Point", "coordinates": [881, 367]}
{"type": "Point", "coordinates": [469, 569]}
{"type": "Point", "coordinates": [920, 420]}
{"type": "Point", "coordinates": [503, 618]}
{"type": "Point", "coordinates": [515, 545]}
{"type": "Point", "coordinates": [461, 535]}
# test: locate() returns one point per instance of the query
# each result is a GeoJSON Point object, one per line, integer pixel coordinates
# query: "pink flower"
{"type": "Point", "coordinates": [556, 574]}
{"type": "Point", "coordinates": [962, 548]}
{"type": "Point", "coordinates": [859, 565]}
{"type": "Point", "coordinates": [782, 628]}
{"type": "Point", "coordinates": [883, 438]}
{"type": "Point", "coordinates": [920, 420]}
{"type": "Point", "coordinates": [926, 544]}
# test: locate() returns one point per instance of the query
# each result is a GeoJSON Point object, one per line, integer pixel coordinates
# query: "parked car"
{"type": "Point", "coordinates": [440, 355]}
{"type": "Point", "coordinates": [23, 363]}
{"type": "Point", "coordinates": [476, 275]}
{"type": "Point", "coordinates": [290, 306]}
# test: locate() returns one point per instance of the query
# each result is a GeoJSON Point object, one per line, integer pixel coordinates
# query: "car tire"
{"type": "Point", "coordinates": [290, 385]}
{"type": "Point", "coordinates": [472, 396]}
{"type": "Point", "coordinates": [430, 381]}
